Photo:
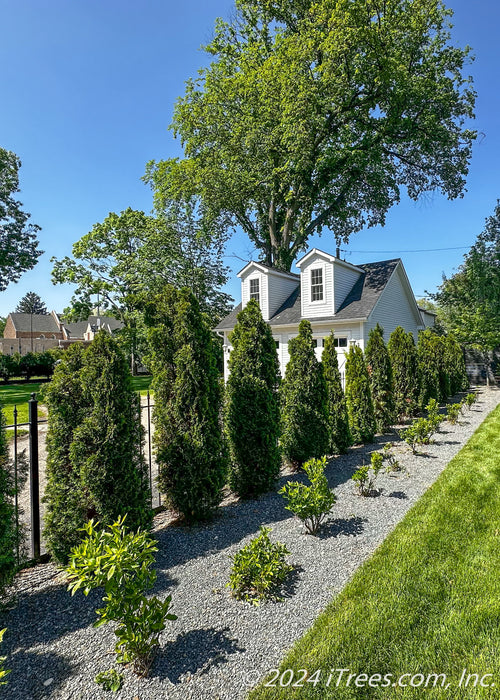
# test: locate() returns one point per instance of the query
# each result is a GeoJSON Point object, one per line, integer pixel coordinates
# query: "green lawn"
{"type": "Point", "coordinates": [142, 384]}
{"type": "Point", "coordinates": [427, 602]}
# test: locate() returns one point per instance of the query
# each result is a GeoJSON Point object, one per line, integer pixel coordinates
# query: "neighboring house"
{"type": "Point", "coordinates": [36, 332]}
{"type": "Point", "coordinates": [333, 295]}
{"type": "Point", "coordinates": [428, 317]}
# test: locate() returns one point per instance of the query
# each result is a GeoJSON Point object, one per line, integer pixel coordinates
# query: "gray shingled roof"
{"type": "Point", "coordinates": [76, 330]}
{"type": "Point", "coordinates": [38, 323]}
{"type": "Point", "coordinates": [358, 304]}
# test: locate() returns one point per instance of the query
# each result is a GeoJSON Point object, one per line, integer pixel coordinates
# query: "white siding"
{"type": "Point", "coordinates": [394, 309]}
{"type": "Point", "coordinates": [317, 309]}
{"type": "Point", "coordinates": [344, 279]}
{"type": "Point", "coordinates": [279, 289]}
{"type": "Point", "coordinates": [253, 274]}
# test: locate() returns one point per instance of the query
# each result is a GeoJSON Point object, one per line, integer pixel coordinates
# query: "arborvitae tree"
{"type": "Point", "coordinates": [107, 446]}
{"type": "Point", "coordinates": [10, 536]}
{"type": "Point", "coordinates": [340, 435]}
{"type": "Point", "coordinates": [66, 510]}
{"type": "Point", "coordinates": [304, 411]}
{"type": "Point", "coordinates": [440, 359]}
{"type": "Point", "coordinates": [404, 363]}
{"type": "Point", "coordinates": [251, 411]}
{"type": "Point", "coordinates": [428, 367]}
{"type": "Point", "coordinates": [189, 446]}
{"type": "Point", "coordinates": [358, 397]}
{"type": "Point", "coordinates": [455, 365]}
{"type": "Point", "coordinates": [379, 368]}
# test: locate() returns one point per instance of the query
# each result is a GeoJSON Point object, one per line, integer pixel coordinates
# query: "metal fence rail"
{"type": "Point", "coordinates": [36, 444]}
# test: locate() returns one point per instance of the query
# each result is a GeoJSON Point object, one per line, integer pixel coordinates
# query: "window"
{"type": "Point", "coordinates": [254, 290]}
{"type": "Point", "coordinates": [318, 342]}
{"type": "Point", "coordinates": [317, 285]}
{"type": "Point", "coordinates": [277, 343]}
{"type": "Point", "coordinates": [340, 342]}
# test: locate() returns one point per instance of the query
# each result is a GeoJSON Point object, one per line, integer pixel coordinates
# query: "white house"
{"type": "Point", "coordinates": [333, 295]}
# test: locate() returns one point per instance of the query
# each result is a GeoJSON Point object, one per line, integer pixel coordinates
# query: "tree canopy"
{"type": "Point", "coordinates": [470, 299]}
{"type": "Point", "coordinates": [318, 114]}
{"type": "Point", "coordinates": [18, 244]}
{"type": "Point", "coordinates": [31, 303]}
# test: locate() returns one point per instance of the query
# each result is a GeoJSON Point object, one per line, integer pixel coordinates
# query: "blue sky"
{"type": "Point", "coordinates": [88, 89]}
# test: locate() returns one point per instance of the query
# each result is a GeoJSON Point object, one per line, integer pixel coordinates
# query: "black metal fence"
{"type": "Point", "coordinates": [27, 499]}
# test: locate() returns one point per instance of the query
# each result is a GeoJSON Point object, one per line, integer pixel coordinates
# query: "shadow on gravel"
{"type": "Point", "coordinates": [29, 671]}
{"type": "Point", "coordinates": [398, 494]}
{"type": "Point", "coordinates": [194, 651]}
{"type": "Point", "coordinates": [351, 527]}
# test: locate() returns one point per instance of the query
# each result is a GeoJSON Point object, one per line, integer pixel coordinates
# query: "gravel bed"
{"type": "Point", "coordinates": [219, 648]}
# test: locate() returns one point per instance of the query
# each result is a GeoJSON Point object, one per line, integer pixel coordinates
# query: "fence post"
{"type": "Point", "coordinates": [34, 477]}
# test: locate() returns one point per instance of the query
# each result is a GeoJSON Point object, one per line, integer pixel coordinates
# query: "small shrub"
{"type": "Point", "coordinates": [3, 672]}
{"type": "Point", "coordinates": [110, 680]}
{"type": "Point", "coordinates": [418, 433]}
{"type": "Point", "coordinates": [311, 504]}
{"type": "Point", "coordinates": [433, 415]}
{"type": "Point", "coordinates": [120, 561]}
{"type": "Point", "coordinates": [470, 400]}
{"type": "Point", "coordinates": [393, 465]}
{"type": "Point", "coordinates": [365, 476]}
{"type": "Point", "coordinates": [452, 413]}
{"type": "Point", "coordinates": [259, 568]}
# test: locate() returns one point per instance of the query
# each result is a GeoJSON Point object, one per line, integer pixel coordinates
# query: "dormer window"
{"type": "Point", "coordinates": [255, 290]}
{"type": "Point", "coordinates": [317, 285]}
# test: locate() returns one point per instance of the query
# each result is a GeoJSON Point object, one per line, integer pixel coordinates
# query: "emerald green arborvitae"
{"type": "Point", "coordinates": [404, 363]}
{"type": "Point", "coordinates": [190, 449]}
{"type": "Point", "coordinates": [107, 445]}
{"type": "Point", "coordinates": [428, 367]}
{"type": "Point", "coordinates": [358, 397]}
{"type": "Point", "coordinates": [66, 509]}
{"type": "Point", "coordinates": [304, 411]}
{"type": "Point", "coordinates": [340, 435]}
{"type": "Point", "coordinates": [9, 536]}
{"type": "Point", "coordinates": [251, 410]}
{"type": "Point", "coordinates": [444, 377]}
{"type": "Point", "coordinates": [379, 368]}
{"type": "Point", "coordinates": [455, 365]}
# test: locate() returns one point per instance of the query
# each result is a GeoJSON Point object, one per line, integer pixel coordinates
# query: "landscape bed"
{"type": "Point", "coordinates": [220, 647]}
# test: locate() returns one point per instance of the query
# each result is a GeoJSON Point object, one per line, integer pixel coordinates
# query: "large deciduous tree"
{"type": "Point", "coordinates": [18, 243]}
{"type": "Point", "coordinates": [317, 114]}
{"type": "Point", "coordinates": [470, 299]}
{"type": "Point", "coordinates": [31, 303]}
{"type": "Point", "coordinates": [130, 256]}
{"type": "Point", "coordinates": [251, 409]}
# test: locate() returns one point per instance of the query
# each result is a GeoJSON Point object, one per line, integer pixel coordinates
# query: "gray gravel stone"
{"type": "Point", "coordinates": [219, 648]}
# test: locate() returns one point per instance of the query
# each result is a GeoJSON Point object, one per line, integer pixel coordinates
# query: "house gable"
{"type": "Point", "coordinates": [271, 287]}
{"type": "Point", "coordinates": [396, 306]}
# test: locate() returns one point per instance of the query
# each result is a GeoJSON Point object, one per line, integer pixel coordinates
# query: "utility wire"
{"type": "Point", "coordinates": [421, 250]}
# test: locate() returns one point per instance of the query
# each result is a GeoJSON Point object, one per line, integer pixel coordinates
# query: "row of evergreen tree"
{"type": "Point", "coordinates": [206, 436]}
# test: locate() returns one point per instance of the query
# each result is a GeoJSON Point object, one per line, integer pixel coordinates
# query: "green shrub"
{"type": "Point", "coordinates": [433, 415]}
{"type": "Point", "coordinates": [404, 363]}
{"type": "Point", "coordinates": [366, 476]}
{"type": "Point", "coordinates": [418, 433]}
{"type": "Point", "coordinates": [66, 505]}
{"type": "Point", "coordinates": [311, 504]}
{"type": "Point", "coordinates": [452, 413]}
{"type": "Point", "coordinates": [455, 365]}
{"type": "Point", "coordinates": [120, 561]}
{"type": "Point", "coordinates": [304, 412]}
{"type": "Point", "coordinates": [11, 538]}
{"type": "Point", "coordinates": [251, 407]}
{"type": "Point", "coordinates": [259, 568]}
{"type": "Point", "coordinates": [378, 365]}
{"type": "Point", "coordinates": [428, 367]}
{"type": "Point", "coordinates": [3, 671]}
{"type": "Point", "coordinates": [338, 422]}
{"type": "Point", "coordinates": [358, 397]}
{"type": "Point", "coordinates": [110, 680]}
{"type": "Point", "coordinates": [190, 450]}
{"type": "Point", "coordinates": [393, 465]}
{"type": "Point", "coordinates": [470, 400]}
